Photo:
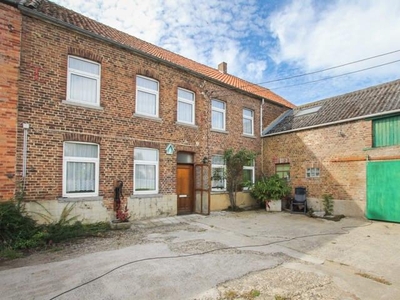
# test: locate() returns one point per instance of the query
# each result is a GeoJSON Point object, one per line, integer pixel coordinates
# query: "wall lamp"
{"type": "Point", "coordinates": [205, 160]}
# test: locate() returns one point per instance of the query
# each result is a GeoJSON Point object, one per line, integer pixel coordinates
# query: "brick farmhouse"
{"type": "Point", "coordinates": [84, 105]}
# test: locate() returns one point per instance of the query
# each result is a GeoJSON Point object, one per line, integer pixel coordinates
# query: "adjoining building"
{"type": "Point", "coordinates": [347, 146]}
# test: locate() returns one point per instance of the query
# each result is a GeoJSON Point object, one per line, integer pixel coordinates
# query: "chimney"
{"type": "Point", "coordinates": [223, 67]}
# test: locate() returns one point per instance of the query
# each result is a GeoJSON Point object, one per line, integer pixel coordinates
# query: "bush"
{"type": "Point", "coordinates": [269, 188]}
{"type": "Point", "coordinates": [19, 231]}
{"type": "Point", "coordinates": [15, 226]}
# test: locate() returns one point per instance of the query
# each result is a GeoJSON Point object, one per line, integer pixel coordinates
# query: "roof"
{"type": "Point", "coordinates": [373, 101]}
{"type": "Point", "coordinates": [69, 17]}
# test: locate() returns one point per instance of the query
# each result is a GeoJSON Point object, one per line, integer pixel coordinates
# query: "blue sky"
{"type": "Point", "coordinates": [263, 41]}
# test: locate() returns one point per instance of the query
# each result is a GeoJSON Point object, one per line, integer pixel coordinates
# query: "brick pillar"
{"type": "Point", "coordinates": [10, 46]}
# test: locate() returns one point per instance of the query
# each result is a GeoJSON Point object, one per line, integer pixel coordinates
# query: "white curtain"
{"type": "Point", "coordinates": [80, 175]}
{"type": "Point", "coordinates": [217, 120]}
{"type": "Point", "coordinates": [185, 112]}
{"type": "Point", "coordinates": [145, 177]}
{"type": "Point", "coordinates": [247, 126]}
{"type": "Point", "coordinates": [146, 103]}
{"type": "Point", "coordinates": [83, 89]}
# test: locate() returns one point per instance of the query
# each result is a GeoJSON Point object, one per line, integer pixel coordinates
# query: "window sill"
{"type": "Point", "coordinates": [146, 196]}
{"type": "Point", "coordinates": [157, 119]}
{"type": "Point", "coordinates": [80, 199]}
{"type": "Point", "coordinates": [218, 192]}
{"type": "Point", "coordinates": [249, 136]}
{"type": "Point", "coordinates": [187, 125]}
{"type": "Point", "coordinates": [220, 131]}
{"type": "Point", "coordinates": [95, 107]}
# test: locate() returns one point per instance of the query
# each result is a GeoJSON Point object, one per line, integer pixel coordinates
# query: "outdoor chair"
{"type": "Point", "coordinates": [299, 202]}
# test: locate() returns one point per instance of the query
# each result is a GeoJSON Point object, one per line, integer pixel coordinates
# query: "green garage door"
{"type": "Point", "coordinates": [383, 191]}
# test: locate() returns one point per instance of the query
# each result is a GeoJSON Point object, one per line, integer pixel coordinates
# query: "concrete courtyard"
{"type": "Point", "coordinates": [246, 255]}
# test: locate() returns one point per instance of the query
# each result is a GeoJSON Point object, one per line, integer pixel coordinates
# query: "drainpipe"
{"type": "Point", "coordinates": [261, 130]}
{"type": "Point", "coordinates": [25, 126]}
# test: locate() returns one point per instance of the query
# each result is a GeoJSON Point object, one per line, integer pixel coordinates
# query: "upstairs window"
{"type": "Point", "coordinates": [80, 169]}
{"type": "Point", "coordinates": [218, 115]}
{"type": "Point", "coordinates": [248, 121]}
{"type": "Point", "coordinates": [218, 168]}
{"type": "Point", "coordinates": [83, 83]}
{"type": "Point", "coordinates": [386, 131]}
{"type": "Point", "coordinates": [146, 96]}
{"type": "Point", "coordinates": [185, 106]}
{"type": "Point", "coordinates": [145, 171]}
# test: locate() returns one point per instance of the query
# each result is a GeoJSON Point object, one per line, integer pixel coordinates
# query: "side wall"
{"type": "Point", "coordinates": [10, 45]}
{"type": "Point", "coordinates": [339, 151]}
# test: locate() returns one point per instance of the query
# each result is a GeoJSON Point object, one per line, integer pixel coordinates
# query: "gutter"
{"type": "Point", "coordinates": [33, 13]}
{"type": "Point", "coordinates": [335, 122]}
{"type": "Point", "coordinates": [10, 2]}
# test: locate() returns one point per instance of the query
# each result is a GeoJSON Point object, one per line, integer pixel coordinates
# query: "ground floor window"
{"type": "Point", "coordinates": [145, 171]}
{"type": "Point", "coordinates": [283, 171]}
{"type": "Point", "coordinates": [249, 173]}
{"type": "Point", "coordinates": [80, 169]}
{"type": "Point", "coordinates": [218, 167]}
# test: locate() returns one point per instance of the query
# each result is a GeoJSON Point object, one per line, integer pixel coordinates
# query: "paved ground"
{"type": "Point", "coordinates": [248, 255]}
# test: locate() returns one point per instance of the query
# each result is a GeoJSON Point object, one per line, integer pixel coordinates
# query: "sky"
{"type": "Point", "coordinates": [265, 42]}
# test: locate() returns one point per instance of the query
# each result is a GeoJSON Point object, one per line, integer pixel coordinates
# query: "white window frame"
{"type": "Point", "coordinates": [219, 166]}
{"type": "Point", "coordinates": [149, 91]}
{"type": "Point", "coordinates": [67, 159]}
{"type": "Point", "coordinates": [219, 110]}
{"type": "Point", "coordinates": [186, 101]}
{"type": "Point", "coordinates": [96, 77]}
{"type": "Point", "coordinates": [252, 168]}
{"type": "Point", "coordinates": [251, 119]}
{"type": "Point", "coordinates": [148, 163]}
{"type": "Point", "coordinates": [313, 172]}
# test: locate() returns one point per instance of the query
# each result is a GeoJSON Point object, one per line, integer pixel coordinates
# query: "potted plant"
{"type": "Point", "coordinates": [268, 189]}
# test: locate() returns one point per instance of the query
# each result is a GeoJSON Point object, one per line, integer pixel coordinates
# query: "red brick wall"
{"type": "Point", "coordinates": [339, 151]}
{"type": "Point", "coordinates": [45, 49]}
{"type": "Point", "coordinates": [10, 30]}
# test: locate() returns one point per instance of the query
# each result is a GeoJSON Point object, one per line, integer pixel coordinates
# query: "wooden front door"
{"type": "Point", "coordinates": [184, 189]}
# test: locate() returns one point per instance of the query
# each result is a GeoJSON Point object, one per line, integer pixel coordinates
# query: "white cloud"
{"type": "Point", "coordinates": [340, 32]}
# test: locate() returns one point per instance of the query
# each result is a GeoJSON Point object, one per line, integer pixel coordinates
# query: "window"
{"type": "Point", "coordinates": [185, 106]}
{"type": "Point", "coordinates": [283, 171]}
{"type": "Point", "coordinates": [307, 111]}
{"type": "Point", "coordinates": [218, 182]}
{"type": "Point", "coordinates": [386, 131]}
{"type": "Point", "coordinates": [145, 171]}
{"type": "Point", "coordinates": [249, 173]}
{"type": "Point", "coordinates": [218, 115]}
{"type": "Point", "coordinates": [312, 172]}
{"type": "Point", "coordinates": [146, 96]}
{"type": "Point", "coordinates": [83, 83]}
{"type": "Point", "coordinates": [248, 121]}
{"type": "Point", "coordinates": [80, 169]}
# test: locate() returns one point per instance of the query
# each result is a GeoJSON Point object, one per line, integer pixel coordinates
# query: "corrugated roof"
{"type": "Point", "coordinates": [65, 15]}
{"type": "Point", "coordinates": [370, 101]}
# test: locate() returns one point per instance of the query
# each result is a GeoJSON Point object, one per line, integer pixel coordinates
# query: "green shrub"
{"type": "Point", "coordinates": [328, 204]}
{"type": "Point", "coordinates": [15, 225]}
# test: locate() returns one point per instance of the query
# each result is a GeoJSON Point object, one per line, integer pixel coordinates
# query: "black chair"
{"type": "Point", "coordinates": [299, 202]}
